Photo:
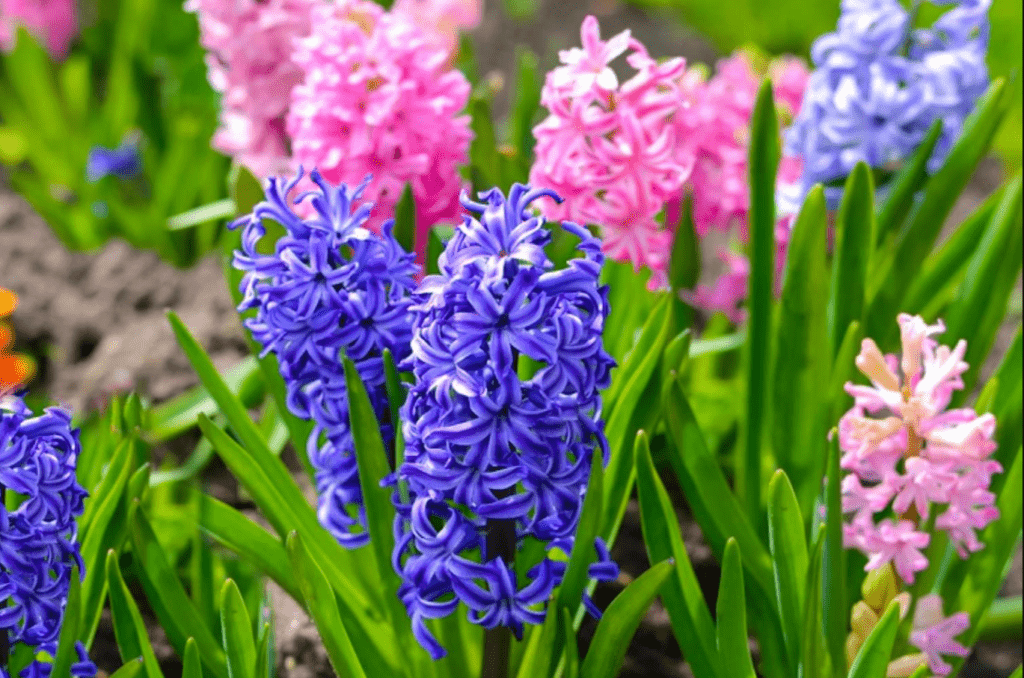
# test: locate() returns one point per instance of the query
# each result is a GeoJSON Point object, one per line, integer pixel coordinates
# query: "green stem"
{"type": "Point", "coordinates": [499, 542]}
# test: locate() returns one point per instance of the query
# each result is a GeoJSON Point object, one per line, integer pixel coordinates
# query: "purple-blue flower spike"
{"type": "Point", "coordinates": [39, 538]}
{"type": "Point", "coordinates": [486, 446]}
{"type": "Point", "coordinates": [123, 162]}
{"type": "Point", "coordinates": [879, 85]}
{"type": "Point", "coordinates": [329, 287]}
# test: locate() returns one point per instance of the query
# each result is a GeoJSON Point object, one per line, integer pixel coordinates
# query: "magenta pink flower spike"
{"type": "Point", "coordinates": [379, 97]}
{"type": "Point", "coordinates": [611, 149]}
{"type": "Point", "coordinates": [905, 450]}
{"type": "Point", "coordinates": [52, 21]}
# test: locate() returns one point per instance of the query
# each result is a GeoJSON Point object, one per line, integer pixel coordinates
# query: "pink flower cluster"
{"type": "Point", "coordinates": [250, 45]}
{"type": "Point", "coordinates": [611, 150]}
{"type": "Point", "coordinates": [934, 634]}
{"type": "Point", "coordinates": [53, 21]}
{"type": "Point", "coordinates": [905, 451]}
{"type": "Point", "coordinates": [379, 97]}
{"type": "Point", "coordinates": [623, 154]}
{"type": "Point", "coordinates": [347, 88]}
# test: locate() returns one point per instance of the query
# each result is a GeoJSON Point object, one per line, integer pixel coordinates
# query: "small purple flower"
{"type": "Point", "coordinates": [122, 162]}
{"type": "Point", "coordinates": [329, 286]}
{"type": "Point", "coordinates": [487, 440]}
{"type": "Point", "coordinates": [879, 85]}
{"type": "Point", "coordinates": [38, 539]}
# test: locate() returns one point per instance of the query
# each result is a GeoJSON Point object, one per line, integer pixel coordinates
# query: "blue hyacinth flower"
{"type": "Point", "coordinates": [489, 446]}
{"type": "Point", "coordinates": [38, 538]}
{"type": "Point", "coordinates": [123, 162]}
{"type": "Point", "coordinates": [328, 286]}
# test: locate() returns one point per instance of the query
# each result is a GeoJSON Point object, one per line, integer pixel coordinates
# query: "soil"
{"type": "Point", "coordinates": [96, 323]}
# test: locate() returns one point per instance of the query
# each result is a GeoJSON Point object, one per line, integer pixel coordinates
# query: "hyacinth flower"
{"type": "Point", "coordinates": [123, 162]}
{"type": "Point", "coordinates": [378, 96]}
{"type": "Point", "coordinates": [250, 45]}
{"type": "Point", "coordinates": [53, 21]}
{"type": "Point", "coordinates": [15, 369]}
{"type": "Point", "coordinates": [494, 457]}
{"type": "Point", "coordinates": [906, 453]}
{"type": "Point", "coordinates": [330, 287]}
{"type": "Point", "coordinates": [879, 84]}
{"type": "Point", "coordinates": [612, 150]}
{"type": "Point", "coordinates": [38, 537]}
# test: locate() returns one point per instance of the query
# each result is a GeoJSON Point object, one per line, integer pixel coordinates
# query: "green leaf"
{"type": "Point", "coordinates": [264, 651]}
{"type": "Point", "coordinates": [320, 601]}
{"type": "Point", "coordinates": [526, 108]}
{"type": "Point", "coordinates": [716, 508]}
{"type": "Point", "coordinates": [570, 591]}
{"type": "Point", "coordinates": [246, 190]}
{"type": "Point", "coordinates": [731, 632]}
{"type": "Point", "coordinates": [802, 357]}
{"type": "Point", "coordinates": [940, 193]}
{"type": "Point", "coordinates": [129, 629]}
{"type": "Point", "coordinates": [132, 669]}
{"type": "Point", "coordinates": [571, 653]}
{"type": "Point", "coordinates": [256, 546]}
{"type": "Point", "coordinates": [539, 656]}
{"type": "Point", "coordinates": [636, 374]}
{"type": "Point", "coordinates": [687, 609]}
{"type": "Point", "coordinates": [483, 150]}
{"type": "Point", "coordinates": [904, 186]}
{"type": "Point", "coordinates": [192, 667]}
{"type": "Point", "coordinates": [171, 418]}
{"type": "Point", "coordinates": [236, 630]}
{"type": "Point", "coordinates": [405, 220]}
{"type": "Point", "coordinates": [874, 654]}
{"type": "Point", "coordinates": [214, 211]}
{"type": "Point", "coordinates": [855, 225]}
{"type": "Point", "coordinates": [815, 659]}
{"type": "Point", "coordinates": [980, 304]}
{"type": "Point", "coordinates": [764, 163]}
{"type": "Point", "coordinates": [789, 560]}
{"type": "Point", "coordinates": [943, 268]}
{"type": "Point", "coordinates": [373, 467]}
{"type": "Point", "coordinates": [178, 616]}
{"type": "Point", "coordinates": [834, 572]}
{"type": "Point", "coordinates": [844, 369]}
{"type": "Point", "coordinates": [684, 264]}
{"type": "Point", "coordinates": [66, 654]}
{"type": "Point", "coordinates": [620, 621]}
{"type": "Point", "coordinates": [1017, 673]}
{"type": "Point", "coordinates": [286, 509]}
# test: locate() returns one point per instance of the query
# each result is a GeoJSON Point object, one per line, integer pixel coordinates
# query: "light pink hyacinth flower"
{"type": "Point", "coordinates": [906, 451]}
{"type": "Point", "coordinates": [52, 21]}
{"type": "Point", "coordinates": [934, 633]}
{"type": "Point", "coordinates": [379, 97]}
{"type": "Point", "coordinates": [250, 47]}
{"type": "Point", "coordinates": [443, 20]}
{"type": "Point", "coordinates": [611, 149]}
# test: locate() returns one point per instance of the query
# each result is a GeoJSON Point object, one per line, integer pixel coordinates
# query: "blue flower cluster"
{"type": "Point", "coordinates": [329, 285]}
{"type": "Point", "coordinates": [492, 438]}
{"type": "Point", "coordinates": [879, 85]}
{"type": "Point", "coordinates": [38, 539]}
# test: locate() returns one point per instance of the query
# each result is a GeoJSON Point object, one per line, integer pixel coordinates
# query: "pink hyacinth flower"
{"type": "Point", "coordinates": [934, 634]}
{"type": "Point", "coordinates": [52, 21]}
{"type": "Point", "coordinates": [250, 47]}
{"type": "Point", "coordinates": [379, 98]}
{"type": "Point", "coordinates": [610, 148]}
{"type": "Point", "coordinates": [906, 450]}
{"type": "Point", "coordinates": [727, 292]}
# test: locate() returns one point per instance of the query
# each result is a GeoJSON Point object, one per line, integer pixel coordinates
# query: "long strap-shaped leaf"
{"type": "Point", "coordinates": [731, 611]}
{"type": "Point", "coordinates": [855, 224]}
{"type": "Point", "coordinates": [764, 163]}
{"type": "Point", "coordinates": [620, 621]}
{"type": "Point", "coordinates": [236, 631]}
{"type": "Point", "coordinates": [789, 560]}
{"type": "Point", "coordinates": [874, 655]}
{"type": "Point", "coordinates": [129, 629]}
{"type": "Point", "coordinates": [687, 609]}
